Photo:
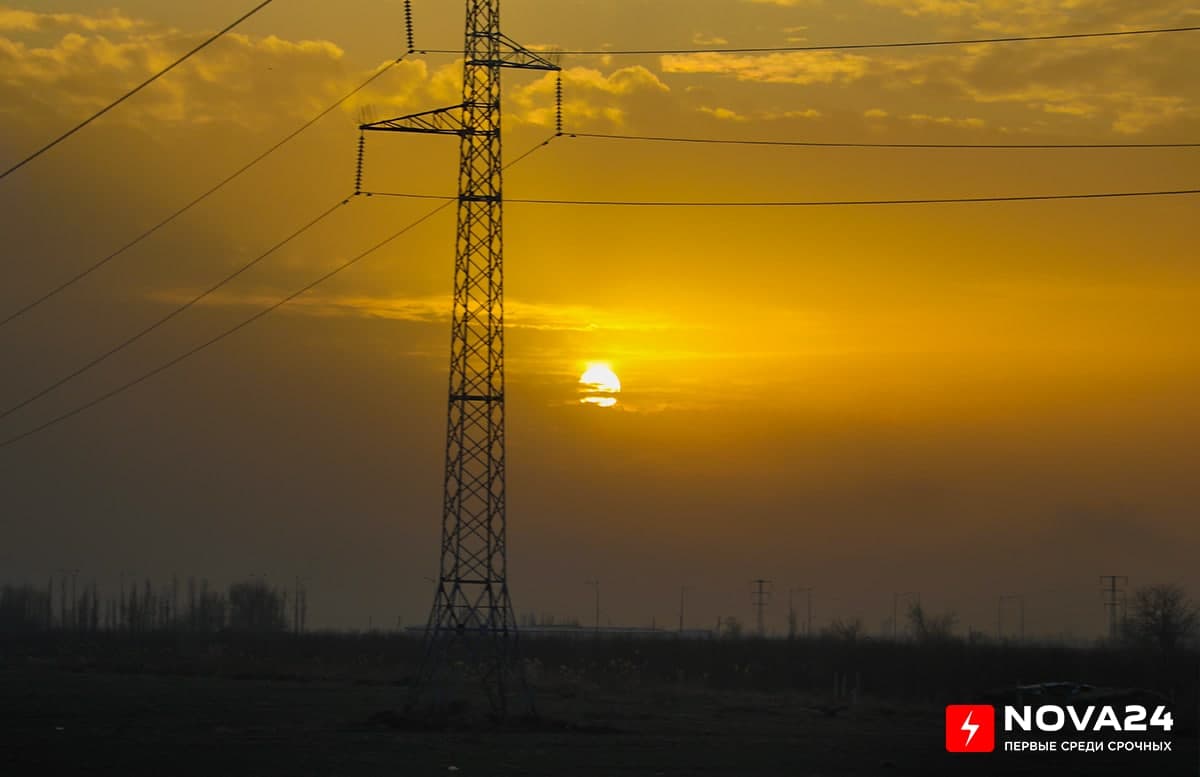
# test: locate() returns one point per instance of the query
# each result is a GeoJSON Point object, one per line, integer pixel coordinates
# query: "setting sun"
{"type": "Point", "coordinates": [599, 376]}
{"type": "Point", "coordinates": [599, 383]}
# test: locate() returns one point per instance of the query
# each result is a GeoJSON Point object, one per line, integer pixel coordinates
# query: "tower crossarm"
{"type": "Point", "coordinates": [511, 54]}
{"type": "Point", "coordinates": [442, 121]}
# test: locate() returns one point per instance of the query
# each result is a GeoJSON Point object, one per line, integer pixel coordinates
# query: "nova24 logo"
{"type": "Point", "coordinates": [971, 728]}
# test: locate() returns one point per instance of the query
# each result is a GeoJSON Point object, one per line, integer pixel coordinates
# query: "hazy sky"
{"type": "Point", "coordinates": [966, 400]}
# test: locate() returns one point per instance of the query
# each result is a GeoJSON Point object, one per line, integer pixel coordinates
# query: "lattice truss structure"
{"type": "Point", "coordinates": [472, 603]}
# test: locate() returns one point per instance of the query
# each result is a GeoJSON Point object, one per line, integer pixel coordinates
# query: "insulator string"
{"type": "Point", "coordinates": [558, 103]}
{"type": "Point", "coordinates": [408, 25]}
{"type": "Point", "coordinates": [358, 173]}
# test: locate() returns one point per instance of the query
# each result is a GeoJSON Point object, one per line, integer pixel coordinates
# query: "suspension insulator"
{"type": "Point", "coordinates": [408, 25]}
{"type": "Point", "coordinates": [358, 173]}
{"type": "Point", "coordinates": [558, 105]}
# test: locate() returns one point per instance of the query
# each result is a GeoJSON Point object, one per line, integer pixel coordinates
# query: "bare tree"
{"type": "Point", "coordinates": [850, 630]}
{"type": "Point", "coordinates": [255, 606]}
{"type": "Point", "coordinates": [931, 628]}
{"type": "Point", "coordinates": [24, 608]}
{"type": "Point", "coordinates": [1162, 616]}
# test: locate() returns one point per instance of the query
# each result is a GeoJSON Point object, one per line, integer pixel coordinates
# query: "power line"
{"type": "Point", "coordinates": [857, 46]}
{"type": "Point", "coordinates": [246, 322]}
{"type": "Point", "coordinates": [171, 315]}
{"type": "Point", "coordinates": [208, 42]}
{"type": "Point", "coordinates": [814, 144]}
{"type": "Point", "coordinates": [219, 337]}
{"type": "Point", "coordinates": [226, 181]}
{"type": "Point", "coordinates": [808, 203]}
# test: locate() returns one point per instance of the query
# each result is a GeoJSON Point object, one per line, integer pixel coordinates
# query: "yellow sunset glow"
{"type": "Point", "coordinates": [599, 384]}
{"type": "Point", "coordinates": [599, 377]}
{"type": "Point", "coordinates": [904, 394]}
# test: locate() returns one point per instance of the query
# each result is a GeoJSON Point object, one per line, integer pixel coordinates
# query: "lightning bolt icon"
{"type": "Point", "coordinates": [971, 728]}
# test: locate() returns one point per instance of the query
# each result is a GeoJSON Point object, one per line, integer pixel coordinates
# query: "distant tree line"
{"type": "Point", "coordinates": [1161, 617]}
{"type": "Point", "coordinates": [532, 620]}
{"type": "Point", "coordinates": [247, 606]}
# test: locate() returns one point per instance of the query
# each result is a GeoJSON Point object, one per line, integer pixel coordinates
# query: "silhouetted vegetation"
{"type": "Point", "coordinates": [845, 630]}
{"type": "Point", "coordinates": [255, 606]}
{"type": "Point", "coordinates": [1162, 617]}
{"type": "Point", "coordinates": [931, 628]}
{"type": "Point", "coordinates": [142, 608]}
{"type": "Point", "coordinates": [242, 631]}
{"type": "Point", "coordinates": [24, 608]}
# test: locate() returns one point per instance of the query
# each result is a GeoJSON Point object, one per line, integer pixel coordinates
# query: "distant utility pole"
{"type": "Point", "coordinates": [760, 595]}
{"type": "Point", "coordinates": [1112, 597]}
{"type": "Point", "coordinates": [682, 593]}
{"type": "Point", "coordinates": [1020, 600]}
{"type": "Point", "coordinates": [596, 583]}
{"type": "Point", "coordinates": [916, 595]}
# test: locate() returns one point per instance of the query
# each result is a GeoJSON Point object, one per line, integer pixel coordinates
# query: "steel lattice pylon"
{"type": "Point", "coordinates": [472, 606]}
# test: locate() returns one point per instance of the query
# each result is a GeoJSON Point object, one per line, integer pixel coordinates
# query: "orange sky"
{"type": "Point", "coordinates": [969, 400]}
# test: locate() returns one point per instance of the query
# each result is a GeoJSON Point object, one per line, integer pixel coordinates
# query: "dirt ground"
{"type": "Point", "coordinates": [59, 721]}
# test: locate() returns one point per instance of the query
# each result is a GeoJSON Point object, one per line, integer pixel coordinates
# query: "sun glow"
{"type": "Point", "coordinates": [599, 384]}
{"type": "Point", "coordinates": [600, 377]}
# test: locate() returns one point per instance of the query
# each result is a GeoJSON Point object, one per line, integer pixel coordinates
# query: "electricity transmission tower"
{"type": "Point", "coordinates": [1114, 598]}
{"type": "Point", "coordinates": [471, 606]}
{"type": "Point", "coordinates": [759, 596]}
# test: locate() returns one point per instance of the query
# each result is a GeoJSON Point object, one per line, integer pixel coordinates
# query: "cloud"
{"type": "Point", "coordinates": [1033, 16]}
{"type": "Point", "coordinates": [1124, 86]}
{"type": "Point", "coordinates": [789, 3]}
{"type": "Point", "coordinates": [240, 79]}
{"type": "Point", "coordinates": [518, 314]}
{"type": "Point", "coordinates": [15, 20]}
{"type": "Point", "coordinates": [243, 80]}
{"type": "Point", "coordinates": [821, 67]}
{"type": "Point", "coordinates": [1140, 113]}
{"type": "Point", "coordinates": [936, 7]}
{"type": "Point", "coordinates": [589, 94]}
{"type": "Point", "coordinates": [1133, 88]}
{"type": "Point", "coordinates": [795, 33]}
{"type": "Point", "coordinates": [950, 121]}
{"type": "Point", "coordinates": [728, 114]}
{"type": "Point", "coordinates": [724, 114]}
{"type": "Point", "coordinates": [623, 81]}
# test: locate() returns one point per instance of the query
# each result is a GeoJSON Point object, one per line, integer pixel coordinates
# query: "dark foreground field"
{"type": "Point", "coordinates": [127, 707]}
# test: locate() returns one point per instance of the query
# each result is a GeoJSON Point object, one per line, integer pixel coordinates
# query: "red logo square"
{"type": "Point", "coordinates": [970, 728]}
